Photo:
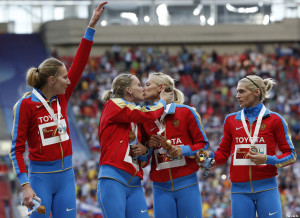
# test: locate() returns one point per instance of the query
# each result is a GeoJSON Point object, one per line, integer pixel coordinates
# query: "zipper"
{"type": "Point", "coordinates": [62, 156]}
{"type": "Point", "coordinates": [170, 173]}
{"type": "Point", "coordinates": [250, 168]}
{"type": "Point", "coordinates": [40, 142]}
{"type": "Point", "coordinates": [62, 152]}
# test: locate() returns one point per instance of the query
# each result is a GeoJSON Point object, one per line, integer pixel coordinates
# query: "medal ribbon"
{"type": "Point", "coordinates": [159, 122]}
{"type": "Point", "coordinates": [253, 139]}
{"type": "Point", "coordinates": [134, 129]}
{"type": "Point", "coordinates": [49, 109]}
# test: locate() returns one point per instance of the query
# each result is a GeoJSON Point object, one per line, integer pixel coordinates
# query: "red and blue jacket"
{"type": "Point", "coordinates": [182, 127]}
{"type": "Point", "coordinates": [273, 134]}
{"type": "Point", "coordinates": [114, 127]}
{"type": "Point", "coordinates": [34, 125]}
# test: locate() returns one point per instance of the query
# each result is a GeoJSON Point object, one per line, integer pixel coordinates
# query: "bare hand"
{"type": "Point", "coordinates": [257, 158]}
{"type": "Point", "coordinates": [155, 141]}
{"type": "Point", "coordinates": [166, 96]}
{"type": "Point", "coordinates": [96, 15]}
{"type": "Point", "coordinates": [28, 195]}
{"type": "Point", "coordinates": [138, 149]}
{"type": "Point", "coordinates": [175, 152]}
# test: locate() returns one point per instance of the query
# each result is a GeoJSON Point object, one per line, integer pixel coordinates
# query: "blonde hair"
{"type": "Point", "coordinates": [264, 85]}
{"type": "Point", "coordinates": [37, 77]}
{"type": "Point", "coordinates": [170, 85]}
{"type": "Point", "coordinates": [119, 84]}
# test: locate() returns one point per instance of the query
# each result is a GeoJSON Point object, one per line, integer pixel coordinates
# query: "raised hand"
{"type": "Point", "coordinates": [168, 97]}
{"type": "Point", "coordinates": [96, 15]}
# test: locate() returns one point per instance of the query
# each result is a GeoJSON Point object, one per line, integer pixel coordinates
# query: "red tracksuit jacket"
{"type": "Point", "coordinates": [273, 135]}
{"type": "Point", "coordinates": [34, 125]}
{"type": "Point", "coordinates": [114, 128]}
{"type": "Point", "coordinates": [183, 128]}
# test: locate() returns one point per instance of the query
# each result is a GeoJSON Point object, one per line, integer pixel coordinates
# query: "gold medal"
{"type": "Point", "coordinates": [131, 136]}
{"type": "Point", "coordinates": [167, 145]}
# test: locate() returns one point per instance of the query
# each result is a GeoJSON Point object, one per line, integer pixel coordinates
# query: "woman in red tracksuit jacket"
{"type": "Point", "coordinates": [251, 138]}
{"type": "Point", "coordinates": [173, 172]}
{"type": "Point", "coordinates": [40, 119]}
{"type": "Point", "coordinates": [119, 191]}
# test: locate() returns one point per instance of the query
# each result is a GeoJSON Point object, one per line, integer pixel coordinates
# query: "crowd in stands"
{"type": "Point", "coordinates": [209, 82]}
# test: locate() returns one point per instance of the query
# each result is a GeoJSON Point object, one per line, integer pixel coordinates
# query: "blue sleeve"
{"type": "Point", "coordinates": [146, 156]}
{"type": "Point", "coordinates": [19, 139]}
{"type": "Point", "coordinates": [284, 143]}
{"type": "Point", "coordinates": [271, 160]}
{"type": "Point", "coordinates": [186, 150]}
{"type": "Point", "coordinates": [89, 34]}
{"type": "Point", "coordinates": [23, 178]}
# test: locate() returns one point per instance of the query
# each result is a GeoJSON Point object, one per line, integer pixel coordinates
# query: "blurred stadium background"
{"type": "Point", "coordinates": [206, 45]}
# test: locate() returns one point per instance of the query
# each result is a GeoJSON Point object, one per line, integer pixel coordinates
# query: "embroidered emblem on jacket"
{"type": "Point", "coordinates": [175, 123]}
{"type": "Point", "coordinates": [262, 126]}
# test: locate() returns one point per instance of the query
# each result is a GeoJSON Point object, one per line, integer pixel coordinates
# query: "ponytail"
{"type": "Point", "coordinates": [106, 96]}
{"type": "Point", "coordinates": [269, 85]}
{"type": "Point", "coordinates": [119, 84]}
{"type": "Point", "coordinates": [264, 85]}
{"type": "Point", "coordinates": [32, 77]}
{"type": "Point", "coordinates": [37, 77]}
{"type": "Point", "coordinates": [178, 96]}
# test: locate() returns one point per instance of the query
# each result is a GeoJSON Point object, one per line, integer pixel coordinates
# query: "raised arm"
{"type": "Point", "coordinates": [96, 15]}
{"type": "Point", "coordinates": [83, 52]}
